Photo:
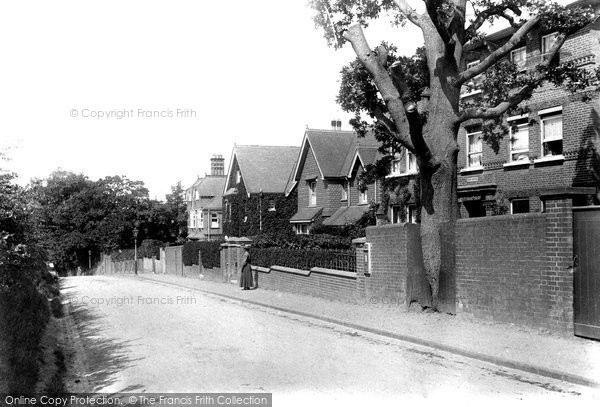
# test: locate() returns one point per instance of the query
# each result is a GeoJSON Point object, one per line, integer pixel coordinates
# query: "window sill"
{"type": "Point", "coordinates": [471, 169]}
{"type": "Point", "coordinates": [522, 163]}
{"type": "Point", "coordinates": [550, 159]}
{"type": "Point", "coordinates": [473, 93]}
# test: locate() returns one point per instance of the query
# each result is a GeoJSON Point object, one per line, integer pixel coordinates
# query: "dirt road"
{"type": "Point", "coordinates": [137, 335]}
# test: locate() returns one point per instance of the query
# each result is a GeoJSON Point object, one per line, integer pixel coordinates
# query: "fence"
{"type": "Point", "coordinates": [305, 259]}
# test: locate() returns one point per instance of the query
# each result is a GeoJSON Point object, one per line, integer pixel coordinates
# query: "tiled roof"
{"type": "Point", "coordinates": [265, 168]}
{"type": "Point", "coordinates": [346, 215]}
{"type": "Point", "coordinates": [210, 188]}
{"type": "Point", "coordinates": [334, 151]}
{"type": "Point", "coordinates": [215, 204]}
{"type": "Point", "coordinates": [306, 214]}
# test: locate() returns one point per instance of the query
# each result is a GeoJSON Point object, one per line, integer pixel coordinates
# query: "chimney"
{"type": "Point", "coordinates": [336, 125]}
{"type": "Point", "coordinates": [217, 165]}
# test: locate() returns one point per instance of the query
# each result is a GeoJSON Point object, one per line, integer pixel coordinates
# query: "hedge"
{"type": "Point", "coordinates": [210, 252]}
{"type": "Point", "coordinates": [24, 313]}
{"type": "Point", "coordinates": [292, 241]}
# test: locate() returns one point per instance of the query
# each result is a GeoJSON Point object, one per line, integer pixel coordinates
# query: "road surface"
{"type": "Point", "coordinates": [139, 335]}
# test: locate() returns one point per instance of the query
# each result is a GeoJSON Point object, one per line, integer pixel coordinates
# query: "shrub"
{"type": "Point", "coordinates": [320, 241]}
{"type": "Point", "coordinates": [210, 252]}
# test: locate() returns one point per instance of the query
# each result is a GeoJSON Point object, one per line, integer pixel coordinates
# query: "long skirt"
{"type": "Point", "coordinates": [246, 277]}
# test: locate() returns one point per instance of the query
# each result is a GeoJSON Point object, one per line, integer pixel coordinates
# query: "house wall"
{"type": "Point", "coordinates": [580, 124]}
{"type": "Point", "coordinates": [310, 171]}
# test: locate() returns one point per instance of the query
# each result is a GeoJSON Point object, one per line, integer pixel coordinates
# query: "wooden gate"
{"type": "Point", "coordinates": [586, 263]}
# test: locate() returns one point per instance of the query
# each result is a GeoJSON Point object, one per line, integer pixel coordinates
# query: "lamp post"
{"type": "Point", "coordinates": [89, 259]}
{"type": "Point", "coordinates": [135, 235]}
{"type": "Point", "coordinates": [260, 198]}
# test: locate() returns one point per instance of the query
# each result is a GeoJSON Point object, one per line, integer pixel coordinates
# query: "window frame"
{"type": "Point", "coordinates": [543, 119]}
{"type": "Point", "coordinates": [543, 43]}
{"type": "Point", "coordinates": [271, 205]}
{"type": "Point", "coordinates": [301, 228]}
{"type": "Point", "coordinates": [521, 122]}
{"type": "Point", "coordinates": [512, 201]}
{"type": "Point", "coordinates": [408, 161]}
{"type": "Point", "coordinates": [238, 177]}
{"type": "Point", "coordinates": [312, 192]}
{"type": "Point", "coordinates": [345, 191]}
{"type": "Point", "coordinates": [363, 197]}
{"type": "Point", "coordinates": [468, 154]}
{"type": "Point", "coordinates": [214, 217]}
{"type": "Point", "coordinates": [512, 58]}
{"type": "Point", "coordinates": [410, 213]}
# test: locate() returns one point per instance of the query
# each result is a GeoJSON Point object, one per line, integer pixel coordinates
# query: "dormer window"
{"type": "Point", "coordinates": [519, 58]}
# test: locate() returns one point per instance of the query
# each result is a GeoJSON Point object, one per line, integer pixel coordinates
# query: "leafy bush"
{"type": "Point", "coordinates": [210, 252]}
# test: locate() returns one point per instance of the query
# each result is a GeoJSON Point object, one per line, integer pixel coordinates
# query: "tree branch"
{"type": "Point", "coordinates": [497, 10]}
{"type": "Point", "coordinates": [495, 56]}
{"type": "Point", "coordinates": [409, 12]}
{"type": "Point", "coordinates": [522, 94]}
{"type": "Point", "coordinates": [383, 81]}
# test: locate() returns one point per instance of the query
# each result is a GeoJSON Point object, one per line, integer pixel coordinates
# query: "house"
{"type": "Point", "coordinates": [204, 203]}
{"type": "Point", "coordinates": [254, 198]}
{"type": "Point", "coordinates": [550, 145]}
{"type": "Point", "coordinates": [325, 178]}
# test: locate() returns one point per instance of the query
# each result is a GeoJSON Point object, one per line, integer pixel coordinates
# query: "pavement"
{"type": "Point", "coordinates": [571, 359]}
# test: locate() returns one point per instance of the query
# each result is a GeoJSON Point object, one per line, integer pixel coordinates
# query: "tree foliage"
{"type": "Point", "coordinates": [77, 215]}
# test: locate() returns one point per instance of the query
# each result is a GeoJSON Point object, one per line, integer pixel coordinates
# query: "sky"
{"type": "Point", "coordinates": [152, 89]}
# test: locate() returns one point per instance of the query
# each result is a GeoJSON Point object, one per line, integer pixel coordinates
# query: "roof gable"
{"type": "Point", "coordinates": [264, 168]}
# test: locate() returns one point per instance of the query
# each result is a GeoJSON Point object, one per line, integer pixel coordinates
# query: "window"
{"type": "Point", "coordinates": [312, 193]}
{"type": "Point", "coordinates": [196, 194]}
{"type": "Point", "coordinates": [190, 219]}
{"type": "Point", "coordinates": [519, 58]}
{"type": "Point", "coordinates": [520, 205]}
{"type": "Point", "coordinates": [345, 191]}
{"type": "Point", "coordinates": [227, 210]}
{"type": "Point", "coordinates": [194, 219]}
{"type": "Point", "coordinates": [396, 166]}
{"type": "Point", "coordinates": [396, 215]}
{"type": "Point", "coordinates": [214, 221]}
{"type": "Point", "coordinates": [474, 147]}
{"type": "Point", "coordinates": [201, 222]}
{"type": "Point", "coordinates": [411, 163]}
{"type": "Point", "coordinates": [362, 197]}
{"type": "Point", "coordinates": [238, 177]}
{"type": "Point", "coordinates": [548, 42]}
{"type": "Point", "coordinates": [519, 140]}
{"type": "Point", "coordinates": [476, 81]}
{"type": "Point", "coordinates": [301, 228]}
{"type": "Point", "coordinates": [552, 135]}
{"type": "Point", "coordinates": [411, 214]}
{"type": "Point", "coordinates": [271, 205]}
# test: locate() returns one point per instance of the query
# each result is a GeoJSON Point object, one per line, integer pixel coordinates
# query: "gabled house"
{"type": "Point", "coordinates": [550, 145]}
{"type": "Point", "coordinates": [325, 178]}
{"type": "Point", "coordinates": [254, 198]}
{"type": "Point", "coordinates": [204, 203]}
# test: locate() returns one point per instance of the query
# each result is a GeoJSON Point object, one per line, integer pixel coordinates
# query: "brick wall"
{"type": "Point", "coordinates": [516, 268]}
{"type": "Point", "coordinates": [316, 284]}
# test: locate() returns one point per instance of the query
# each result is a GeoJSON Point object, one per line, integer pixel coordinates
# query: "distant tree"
{"type": "Point", "coordinates": [178, 211]}
{"type": "Point", "coordinates": [382, 90]}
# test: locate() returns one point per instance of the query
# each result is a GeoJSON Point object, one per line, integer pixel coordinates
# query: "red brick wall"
{"type": "Point", "coordinates": [516, 268]}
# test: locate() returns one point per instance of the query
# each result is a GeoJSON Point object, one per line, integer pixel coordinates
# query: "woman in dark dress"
{"type": "Point", "coordinates": [246, 277]}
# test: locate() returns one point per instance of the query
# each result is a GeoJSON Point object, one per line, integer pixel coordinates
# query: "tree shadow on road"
{"type": "Point", "coordinates": [104, 356]}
